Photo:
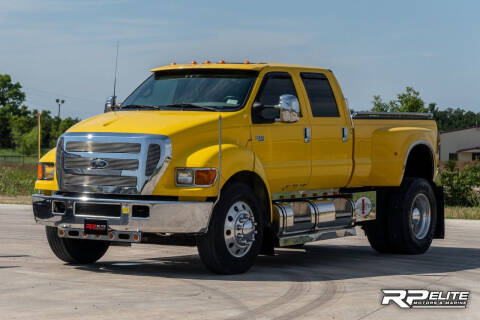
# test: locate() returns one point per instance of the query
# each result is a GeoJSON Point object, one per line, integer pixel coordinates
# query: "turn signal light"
{"type": "Point", "coordinates": [221, 62]}
{"type": "Point", "coordinates": [207, 62]}
{"type": "Point", "coordinates": [194, 62]}
{"type": "Point", "coordinates": [39, 171]}
{"type": "Point", "coordinates": [205, 177]}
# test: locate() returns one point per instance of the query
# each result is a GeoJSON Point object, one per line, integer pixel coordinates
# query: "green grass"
{"type": "Point", "coordinates": [471, 213]}
{"type": "Point", "coordinates": [17, 179]}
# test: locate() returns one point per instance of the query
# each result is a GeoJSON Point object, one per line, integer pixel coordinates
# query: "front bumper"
{"type": "Point", "coordinates": [164, 216]}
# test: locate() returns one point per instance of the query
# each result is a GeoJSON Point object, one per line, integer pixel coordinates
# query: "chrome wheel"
{"type": "Point", "coordinates": [239, 230]}
{"type": "Point", "coordinates": [420, 216]}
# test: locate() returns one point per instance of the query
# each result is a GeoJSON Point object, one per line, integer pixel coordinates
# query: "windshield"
{"type": "Point", "coordinates": [208, 89]}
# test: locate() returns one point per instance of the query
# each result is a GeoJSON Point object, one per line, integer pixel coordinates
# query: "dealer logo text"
{"type": "Point", "coordinates": [414, 298]}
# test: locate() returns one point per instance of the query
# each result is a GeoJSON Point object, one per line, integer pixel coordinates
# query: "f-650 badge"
{"type": "Point", "coordinates": [260, 138]}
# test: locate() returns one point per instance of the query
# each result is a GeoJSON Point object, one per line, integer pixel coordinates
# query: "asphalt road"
{"type": "Point", "coordinates": [334, 279]}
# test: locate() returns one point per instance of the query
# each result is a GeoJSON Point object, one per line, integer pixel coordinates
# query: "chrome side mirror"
{"type": "Point", "coordinates": [110, 104]}
{"type": "Point", "coordinates": [289, 108]}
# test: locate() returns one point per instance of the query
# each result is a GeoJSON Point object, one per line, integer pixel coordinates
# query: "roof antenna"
{"type": "Point", "coordinates": [116, 71]}
{"type": "Point", "coordinates": [112, 100]}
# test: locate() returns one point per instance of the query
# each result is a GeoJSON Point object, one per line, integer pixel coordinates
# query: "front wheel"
{"type": "Point", "coordinates": [78, 251]}
{"type": "Point", "coordinates": [235, 233]}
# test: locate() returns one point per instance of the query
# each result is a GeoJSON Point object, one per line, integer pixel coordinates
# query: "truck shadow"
{"type": "Point", "coordinates": [314, 263]}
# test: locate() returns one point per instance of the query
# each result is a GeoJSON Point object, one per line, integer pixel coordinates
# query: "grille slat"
{"type": "Point", "coordinates": [85, 180]}
{"type": "Point", "coordinates": [152, 158]}
{"type": "Point", "coordinates": [113, 164]}
{"type": "Point", "coordinates": [105, 147]}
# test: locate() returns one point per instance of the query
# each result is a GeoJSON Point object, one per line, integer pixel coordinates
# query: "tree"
{"type": "Point", "coordinates": [408, 101]}
{"type": "Point", "coordinates": [11, 99]}
{"type": "Point", "coordinates": [11, 96]}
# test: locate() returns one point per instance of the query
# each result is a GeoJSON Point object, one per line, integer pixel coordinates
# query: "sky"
{"type": "Point", "coordinates": [66, 49]}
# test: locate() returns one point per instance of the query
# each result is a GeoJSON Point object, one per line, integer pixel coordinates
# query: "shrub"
{"type": "Point", "coordinates": [459, 184]}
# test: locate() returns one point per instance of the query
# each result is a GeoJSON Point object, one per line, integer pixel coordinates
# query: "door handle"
{"type": "Point", "coordinates": [344, 134]}
{"type": "Point", "coordinates": [307, 135]}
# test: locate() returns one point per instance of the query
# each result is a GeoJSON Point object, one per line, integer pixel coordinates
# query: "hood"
{"type": "Point", "coordinates": [149, 122]}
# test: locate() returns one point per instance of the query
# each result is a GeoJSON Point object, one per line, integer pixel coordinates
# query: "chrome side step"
{"type": "Point", "coordinates": [292, 240]}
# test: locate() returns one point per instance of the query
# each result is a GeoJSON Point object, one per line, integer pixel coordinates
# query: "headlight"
{"type": "Point", "coordinates": [45, 171]}
{"type": "Point", "coordinates": [195, 177]}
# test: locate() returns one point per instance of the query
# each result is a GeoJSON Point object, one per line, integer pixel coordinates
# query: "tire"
{"type": "Point", "coordinates": [413, 216]}
{"type": "Point", "coordinates": [76, 251]}
{"type": "Point", "coordinates": [377, 230]}
{"type": "Point", "coordinates": [237, 203]}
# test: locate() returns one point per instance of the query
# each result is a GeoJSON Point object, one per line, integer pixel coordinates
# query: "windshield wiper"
{"type": "Point", "coordinates": [182, 106]}
{"type": "Point", "coordinates": [140, 106]}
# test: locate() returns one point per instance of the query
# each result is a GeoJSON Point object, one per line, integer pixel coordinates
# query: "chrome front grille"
{"type": "Point", "coordinates": [114, 163]}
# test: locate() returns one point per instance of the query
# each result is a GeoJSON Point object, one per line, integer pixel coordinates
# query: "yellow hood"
{"type": "Point", "coordinates": [150, 122]}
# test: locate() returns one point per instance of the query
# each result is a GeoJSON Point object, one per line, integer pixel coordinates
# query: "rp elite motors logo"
{"type": "Point", "coordinates": [414, 298]}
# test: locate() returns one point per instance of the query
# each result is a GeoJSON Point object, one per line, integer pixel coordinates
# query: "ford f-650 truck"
{"type": "Point", "coordinates": [237, 159]}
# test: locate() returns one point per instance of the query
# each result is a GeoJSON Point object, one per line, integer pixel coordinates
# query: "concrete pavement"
{"type": "Point", "coordinates": [334, 279]}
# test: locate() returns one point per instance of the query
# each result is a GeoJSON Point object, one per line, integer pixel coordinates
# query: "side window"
{"type": "Point", "coordinates": [274, 85]}
{"type": "Point", "coordinates": [320, 95]}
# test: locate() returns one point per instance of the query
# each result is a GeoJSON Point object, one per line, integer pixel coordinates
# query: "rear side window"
{"type": "Point", "coordinates": [320, 95]}
{"type": "Point", "coordinates": [274, 85]}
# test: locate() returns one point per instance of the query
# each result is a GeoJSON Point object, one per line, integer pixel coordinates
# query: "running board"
{"type": "Point", "coordinates": [292, 240]}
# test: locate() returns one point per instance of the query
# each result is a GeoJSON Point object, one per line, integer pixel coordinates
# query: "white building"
{"type": "Point", "coordinates": [461, 144]}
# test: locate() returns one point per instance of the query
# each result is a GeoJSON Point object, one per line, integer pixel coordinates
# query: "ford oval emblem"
{"type": "Point", "coordinates": [98, 163]}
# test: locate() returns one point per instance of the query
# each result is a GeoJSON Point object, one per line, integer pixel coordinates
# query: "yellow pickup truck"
{"type": "Point", "coordinates": [237, 159]}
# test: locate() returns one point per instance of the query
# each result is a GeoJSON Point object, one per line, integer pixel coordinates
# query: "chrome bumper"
{"type": "Point", "coordinates": [164, 216]}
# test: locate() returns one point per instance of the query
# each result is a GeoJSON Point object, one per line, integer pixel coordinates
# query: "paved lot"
{"type": "Point", "coordinates": [334, 279]}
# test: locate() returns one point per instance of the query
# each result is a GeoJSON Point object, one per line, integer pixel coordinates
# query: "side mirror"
{"type": "Point", "coordinates": [289, 108]}
{"type": "Point", "coordinates": [110, 104]}
{"type": "Point", "coordinates": [262, 114]}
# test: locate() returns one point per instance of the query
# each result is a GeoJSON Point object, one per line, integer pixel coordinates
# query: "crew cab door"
{"type": "Point", "coordinates": [280, 146]}
{"type": "Point", "coordinates": [332, 141]}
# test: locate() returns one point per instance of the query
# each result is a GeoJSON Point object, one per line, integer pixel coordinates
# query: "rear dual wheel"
{"type": "Point", "coordinates": [406, 218]}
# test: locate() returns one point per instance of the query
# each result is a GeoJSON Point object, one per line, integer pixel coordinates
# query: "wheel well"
{"type": "Point", "coordinates": [256, 183]}
{"type": "Point", "coordinates": [420, 163]}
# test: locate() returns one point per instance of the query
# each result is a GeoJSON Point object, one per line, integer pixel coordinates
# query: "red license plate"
{"type": "Point", "coordinates": [96, 226]}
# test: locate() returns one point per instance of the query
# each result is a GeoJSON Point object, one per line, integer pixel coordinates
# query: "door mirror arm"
{"type": "Point", "coordinates": [264, 114]}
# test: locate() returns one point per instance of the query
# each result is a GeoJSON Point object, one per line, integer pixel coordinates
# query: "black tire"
{"type": "Point", "coordinates": [401, 233]}
{"type": "Point", "coordinates": [377, 230]}
{"type": "Point", "coordinates": [212, 246]}
{"type": "Point", "coordinates": [77, 251]}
